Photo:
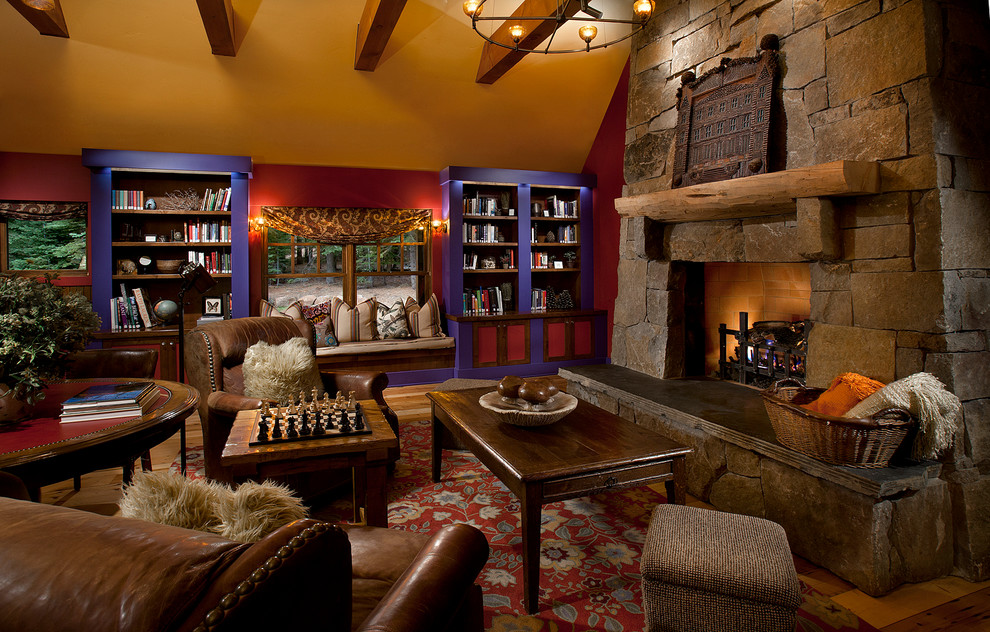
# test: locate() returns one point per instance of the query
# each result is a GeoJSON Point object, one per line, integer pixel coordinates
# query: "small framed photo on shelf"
{"type": "Point", "coordinates": [151, 237]}
{"type": "Point", "coordinates": [212, 306]}
{"type": "Point", "coordinates": [558, 265]}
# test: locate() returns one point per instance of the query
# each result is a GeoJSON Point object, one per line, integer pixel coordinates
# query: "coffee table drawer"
{"type": "Point", "coordinates": [605, 480]}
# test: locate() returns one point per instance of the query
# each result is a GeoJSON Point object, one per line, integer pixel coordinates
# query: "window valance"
{"type": "Point", "coordinates": [11, 209]}
{"type": "Point", "coordinates": [345, 225]}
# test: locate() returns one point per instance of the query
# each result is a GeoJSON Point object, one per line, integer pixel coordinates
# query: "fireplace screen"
{"type": "Point", "coordinates": [723, 119]}
{"type": "Point", "coordinates": [768, 351]}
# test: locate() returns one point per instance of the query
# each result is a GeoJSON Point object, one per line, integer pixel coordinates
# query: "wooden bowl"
{"type": "Point", "coordinates": [168, 266]}
{"type": "Point", "coordinates": [519, 412]}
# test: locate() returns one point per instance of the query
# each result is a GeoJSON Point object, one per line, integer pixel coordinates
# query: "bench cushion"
{"type": "Point", "coordinates": [384, 346]}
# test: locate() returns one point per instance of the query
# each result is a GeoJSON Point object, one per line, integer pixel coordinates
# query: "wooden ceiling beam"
{"type": "Point", "coordinates": [374, 30]}
{"type": "Point", "coordinates": [218, 19]}
{"type": "Point", "coordinates": [497, 60]}
{"type": "Point", "coordinates": [48, 19]}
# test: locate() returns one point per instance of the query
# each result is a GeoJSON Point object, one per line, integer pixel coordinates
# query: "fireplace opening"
{"type": "Point", "coordinates": [717, 293]}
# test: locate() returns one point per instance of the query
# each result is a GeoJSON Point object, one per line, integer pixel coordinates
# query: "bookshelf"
{"type": "Point", "coordinates": [515, 313]}
{"type": "Point", "coordinates": [152, 211]}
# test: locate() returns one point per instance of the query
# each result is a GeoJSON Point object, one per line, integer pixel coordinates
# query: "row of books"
{"type": "Point", "coordinates": [126, 200]}
{"type": "Point", "coordinates": [218, 200]}
{"type": "Point", "coordinates": [131, 311]}
{"type": "Point", "coordinates": [555, 207]}
{"type": "Point", "coordinates": [215, 261]}
{"type": "Point", "coordinates": [104, 402]}
{"type": "Point", "coordinates": [198, 230]}
{"type": "Point", "coordinates": [485, 205]}
{"type": "Point", "coordinates": [481, 234]}
{"type": "Point", "coordinates": [540, 300]}
{"type": "Point", "coordinates": [483, 301]}
{"type": "Point", "coordinates": [471, 259]}
{"type": "Point", "coordinates": [565, 235]}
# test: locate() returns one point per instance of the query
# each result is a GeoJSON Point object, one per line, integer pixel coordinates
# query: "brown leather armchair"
{"type": "Point", "coordinates": [214, 358]}
{"type": "Point", "coordinates": [121, 574]}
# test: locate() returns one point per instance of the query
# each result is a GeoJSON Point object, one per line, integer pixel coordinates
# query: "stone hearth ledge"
{"type": "Point", "coordinates": [876, 528]}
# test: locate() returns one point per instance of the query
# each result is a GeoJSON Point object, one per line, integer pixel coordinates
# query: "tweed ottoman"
{"type": "Point", "coordinates": [709, 570]}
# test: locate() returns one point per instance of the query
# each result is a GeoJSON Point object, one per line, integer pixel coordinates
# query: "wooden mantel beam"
{"type": "Point", "coordinates": [374, 30]}
{"type": "Point", "coordinates": [496, 60]}
{"type": "Point", "coordinates": [47, 17]}
{"type": "Point", "coordinates": [765, 194]}
{"type": "Point", "coordinates": [218, 19]}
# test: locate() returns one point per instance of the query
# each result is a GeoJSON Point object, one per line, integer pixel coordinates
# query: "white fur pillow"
{"type": "Point", "coordinates": [245, 514]}
{"type": "Point", "coordinates": [278, 372]}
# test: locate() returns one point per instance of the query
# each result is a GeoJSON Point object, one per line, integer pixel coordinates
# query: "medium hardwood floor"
{"type": "Point", "coordinates": [949, 603]}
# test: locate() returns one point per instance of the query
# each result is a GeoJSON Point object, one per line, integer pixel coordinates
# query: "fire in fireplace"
{"type": "Point", "coordinates": [768, 351]}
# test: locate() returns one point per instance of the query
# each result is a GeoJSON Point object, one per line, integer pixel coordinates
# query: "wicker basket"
{"type": "Point", "coordinates": [854, 442]}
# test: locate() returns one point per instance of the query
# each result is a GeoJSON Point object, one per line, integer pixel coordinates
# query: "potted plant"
{"type": "Point", "coordinates": [505, 261]}
{"type": "Point", "coordinates": [39, 326]}
{"type": "Point", "coordinates": [570, 258]}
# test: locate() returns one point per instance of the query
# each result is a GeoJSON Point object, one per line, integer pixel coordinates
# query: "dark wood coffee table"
{"type": "Point", "coordinates": [589, 451]}
{"type": "Point", "coordinates": [42, 451]}
{"type": "Point", "coordinates": [366, 454]}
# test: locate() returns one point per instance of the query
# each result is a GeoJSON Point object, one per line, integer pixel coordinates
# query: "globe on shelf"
{"type": "Point", "coordinates": [166, 310]}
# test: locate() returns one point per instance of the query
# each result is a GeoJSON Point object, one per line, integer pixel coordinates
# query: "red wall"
{"type": "Point", "coordinates": [606, 160]}
{"type": "Point", "coordinates": [38, 177]}
{"type": "Point", "coordinates": [285, 185]}
{"type": "Point", "coordinates": [46, 177]}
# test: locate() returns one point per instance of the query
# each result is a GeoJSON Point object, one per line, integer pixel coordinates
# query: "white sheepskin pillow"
{"type": "Point", "coordinates": [254, 510]}
{"type": "Point", "coordinates": [171, 499]}
{"type": "Point", "coordinates": [245, 514]}
{"type": "Point", "coordinates": [278, 372]}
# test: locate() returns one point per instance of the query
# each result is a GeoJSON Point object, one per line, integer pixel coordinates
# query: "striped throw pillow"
{"type": "Point", "coordinates": [294, 310]}
{"type": "Point", "coordinates": [424, 322]}
{"type": "Point", "coordinates": [353, 324]}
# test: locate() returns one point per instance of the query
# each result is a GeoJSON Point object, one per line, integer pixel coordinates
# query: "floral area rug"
{"type": "Point", "coordinates": [590, 547]}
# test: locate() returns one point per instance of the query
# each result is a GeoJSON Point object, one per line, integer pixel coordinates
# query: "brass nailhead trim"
{"type": "Point", "coordinates": [229, 601]}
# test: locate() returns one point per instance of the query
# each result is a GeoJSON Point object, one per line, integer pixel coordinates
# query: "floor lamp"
{"type": "Point", "coordinates": [194, 276]}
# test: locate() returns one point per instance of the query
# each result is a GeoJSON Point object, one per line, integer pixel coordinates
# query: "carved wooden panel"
{"type": "Point", "coordinates": [724, 118]}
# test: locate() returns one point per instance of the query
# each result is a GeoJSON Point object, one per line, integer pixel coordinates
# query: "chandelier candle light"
{"type": "Point", "coordinates": [547, 25]}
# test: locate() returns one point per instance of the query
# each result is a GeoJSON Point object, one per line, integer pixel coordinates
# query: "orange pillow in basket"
{"type": "Point", "coordinates": [846, 391]}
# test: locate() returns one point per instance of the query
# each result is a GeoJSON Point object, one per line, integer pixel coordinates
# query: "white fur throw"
{"type": "Point", "coordinates": [278, 372]}
{"type": "Point", "coordinates": [926, 398]}
{"type": "Point", "coordinates": [245, 514]}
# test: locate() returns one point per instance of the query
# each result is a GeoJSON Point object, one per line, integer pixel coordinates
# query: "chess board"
{"type": "Point", "coordinates": [275, 429]}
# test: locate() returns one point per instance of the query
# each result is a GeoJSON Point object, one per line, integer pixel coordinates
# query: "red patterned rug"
{"type": "Point", "coordinates": [589, 576]}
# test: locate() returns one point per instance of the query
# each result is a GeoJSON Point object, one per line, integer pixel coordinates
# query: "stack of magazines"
{"type": "Point", "coordinates": [102, 402]}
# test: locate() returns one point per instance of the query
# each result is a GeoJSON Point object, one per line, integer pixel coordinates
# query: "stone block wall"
{"type": "Point", "coordinates": [901, 279]}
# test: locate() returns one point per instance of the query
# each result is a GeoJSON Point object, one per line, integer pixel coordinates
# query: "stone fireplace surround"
{"type": "Point", "coordinates": [899, 277]}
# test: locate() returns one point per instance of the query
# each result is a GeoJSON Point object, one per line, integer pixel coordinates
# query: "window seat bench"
{"type": "Point", "coordinates": [391, 355]}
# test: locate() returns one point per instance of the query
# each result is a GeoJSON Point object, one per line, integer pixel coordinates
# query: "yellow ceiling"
{"type": "Point", "coordinates": [138, 74]}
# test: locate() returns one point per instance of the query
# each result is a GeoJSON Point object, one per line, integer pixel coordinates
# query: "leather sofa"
{"type": "Point", "coordinates": [64, 569]}
{"type": "Point", "coordinates": [214, 358]}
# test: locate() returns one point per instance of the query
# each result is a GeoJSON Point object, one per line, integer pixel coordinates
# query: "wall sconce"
{"type": "Point", "coordinates": [256, 224]}
{"type": "Point", "coordinates": [439, 226]}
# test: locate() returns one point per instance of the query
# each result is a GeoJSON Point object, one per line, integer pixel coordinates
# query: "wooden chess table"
{"type": "Point", "coordinates": [365, 454]}
{"type": "Point", "coordinates": [590, 451]}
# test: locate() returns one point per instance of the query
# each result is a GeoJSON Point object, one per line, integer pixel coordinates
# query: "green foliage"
{"type": "Point", "coordinates": [46, 245]}
{"type": "Point", "coordinates": [39, 326]}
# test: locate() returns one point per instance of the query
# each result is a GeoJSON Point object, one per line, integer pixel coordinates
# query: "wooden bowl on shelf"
{"type": "Point", "coordinates": [168, 266]}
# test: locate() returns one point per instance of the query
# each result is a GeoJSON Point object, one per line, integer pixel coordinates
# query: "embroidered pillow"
{"type": "Point", "coordinates": [424, 322]}
{"type": "Point", "coordinates": [392, 321]}
{"type": "Point", "coordinates": [319, 317]}
{"type": "Point", "coordinates": [352, 324]}
{"type": "Point", "coordinates": [278, 372]}
{"type": "Point", "coordinates": [294, 310]}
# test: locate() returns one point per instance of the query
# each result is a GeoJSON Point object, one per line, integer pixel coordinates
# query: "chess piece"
{"type": "Point", "coordinates": [262, 429]}
{"type": "Point", "coordinates": [292, 433]}
{"type": "Point", "coordinates": [276, 428]}
{"type": "Point", "coordinates": [358, 418]}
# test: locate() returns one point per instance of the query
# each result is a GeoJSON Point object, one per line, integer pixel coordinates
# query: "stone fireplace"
{"type": "Point", "coordinates": [897, 277]}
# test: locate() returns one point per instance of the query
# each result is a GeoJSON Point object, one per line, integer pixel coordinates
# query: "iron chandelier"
{"type": "Point", "coordinates": [546, 26]}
